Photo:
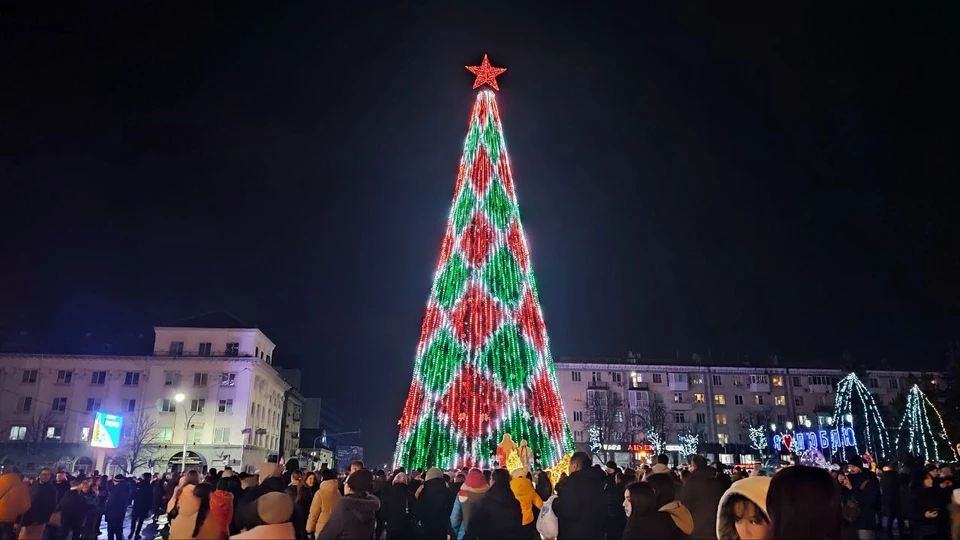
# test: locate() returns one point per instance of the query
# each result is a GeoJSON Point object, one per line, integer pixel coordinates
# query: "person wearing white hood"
{"type": "Point", "coordinates": [742, 513]}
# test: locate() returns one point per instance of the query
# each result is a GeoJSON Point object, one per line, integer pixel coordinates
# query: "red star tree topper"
{"type": "Point", "coordinates": [486, 74]}
{"type": "Point", "coordinates": [483, 366]}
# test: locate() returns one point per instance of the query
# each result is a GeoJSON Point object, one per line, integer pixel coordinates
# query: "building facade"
{"type": "Point", "coordinates": [720, 404]}
{"type": "Point", "coordinates": [209, 386]}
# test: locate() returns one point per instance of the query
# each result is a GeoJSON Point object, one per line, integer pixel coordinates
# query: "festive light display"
{"type": "Point", "coordinates": [916, 434]}
{"type": "Point", "coordinates": [595, 445]}
{"type": "Point", "coordinates": [561, 467]}
{"type": "Point", "coordinates": [828, 440]}
{"type": "Point", "coordinates": [486, 74]}
{"type": "Point", "coordinates": [689, 442]}
{"type": "Point", "coordinates": [483, 365]}
{"type": "Point", "coordinates": [854, 405]}
{"type": "Point", "coordinates": [812, 457]}
{"type": "Point", "coordinates": [655, 439]}
{"type": "Point", "coordinates": [513, 461]}
{"type": "Point", "coordinates": [758, 439]}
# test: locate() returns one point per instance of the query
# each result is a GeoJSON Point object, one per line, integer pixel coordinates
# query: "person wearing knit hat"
{"type": "Point", "coordinates": [742, 513]}
{"type": "Point", "coordinates": [273, 511]}
{"type": "Point", "coordinates": [434, 503]}
{"type": "Point", "coordinates": [471, 493]}
{"type": "Point", "coordinates": [355, 516]}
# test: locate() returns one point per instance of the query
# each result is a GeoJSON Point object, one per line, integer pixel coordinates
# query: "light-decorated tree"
{"type": "Point", "coordinates": [854, 406]}
{"type": "Point", "coordinates": [921, 430]}
{"type": "Point", "coordinates": [483, 365]}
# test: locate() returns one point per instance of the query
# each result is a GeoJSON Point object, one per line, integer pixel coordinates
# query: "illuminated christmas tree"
{"type": "Point", "coordinates": [921, 431]}
{"type": "Point", "coordinates": [854, 406]}
{"type": "Point", "coordinates": [483, 366]}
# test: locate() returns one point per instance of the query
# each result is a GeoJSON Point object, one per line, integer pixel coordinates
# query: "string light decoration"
{"type": "Point", "coordinates": [561, 467]}
{"type": "Point", "coordinates": [812, 457]}
{"type": "Point", "coordinates": [655, 439]}
{"type": "Point", "coordinates": [486, 74]}
{"type": "Point", "coordinates": [595, 445]}
{"type": "Point", "coordinates": [854, 406]}
{"type": "Point", "coordinates": [758, 439]}
{"type": "Point", "coordinates": [916, 435]}
{"type": "Point", "coordinates": [483, 365]}
{"type": "Point", "coordinates": [689, 443]}
{"type": "Point", "coordinates": [513, 461]}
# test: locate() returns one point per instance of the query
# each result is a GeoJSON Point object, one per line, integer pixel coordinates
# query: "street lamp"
{"type": "Point", "coordinates": [789, 425]}
{"type": "Point", "coordinates": [179, 398]}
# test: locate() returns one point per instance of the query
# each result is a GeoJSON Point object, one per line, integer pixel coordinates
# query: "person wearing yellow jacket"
{"type": "Point", "coordinates": [524, 492]}
{"type": "Point", "coordinates": [14, 501]}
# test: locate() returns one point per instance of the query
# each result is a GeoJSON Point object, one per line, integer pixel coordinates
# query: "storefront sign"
{"type": "Point", "coordinates": [674, 448]}
{"type": "Point", "coordinates": [823, 439]}
{"type": "Point", "coordinates": [640, 447]}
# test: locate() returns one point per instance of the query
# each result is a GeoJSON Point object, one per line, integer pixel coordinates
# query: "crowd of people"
{"type": "Point", "coordinates": [692, 500]}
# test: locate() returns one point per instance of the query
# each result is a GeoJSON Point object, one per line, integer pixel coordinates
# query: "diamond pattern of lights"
{"type": "Point", "coordinates": [483, 364]}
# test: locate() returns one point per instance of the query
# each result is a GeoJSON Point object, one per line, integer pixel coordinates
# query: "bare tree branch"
{"type": "Point", "coordinates": [139, 445]}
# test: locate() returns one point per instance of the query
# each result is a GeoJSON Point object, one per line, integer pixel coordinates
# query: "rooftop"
{"type": "Point", "coordinates": [211, 319]}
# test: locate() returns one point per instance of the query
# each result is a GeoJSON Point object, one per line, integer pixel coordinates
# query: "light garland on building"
{"type": "Point", "coordinates": [483, 365]}
{"type": "Point", "coordinates": [916, 435]}
{"type": "Point", "coordinates": [596, 445]}
{"type": "Point", "coordinates": [655, 439]}
{"type": "Point", "coordinates": [855, 406]}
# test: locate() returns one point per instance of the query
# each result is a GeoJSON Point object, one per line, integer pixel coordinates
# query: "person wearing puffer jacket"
{"type": "Point", "coordinates": [221, 505]}
{"type": "Point", "coordinates": [742, 513]}
{"type": "Point", "coordinates": [524, 492]}
{"type": "Point", "coordinates": [194, 519]}
{"type": "Point", "coordinates": [472, 492]}
{"type": "Point", "coordinates": [14, 501]}
{"type": "Point", "coordinates": [324, 501]}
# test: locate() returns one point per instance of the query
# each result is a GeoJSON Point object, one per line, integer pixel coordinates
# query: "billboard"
{"type": "Point", "coordinates": [106, 430]}
{"type": "Point", "coordinates": [347, 455]}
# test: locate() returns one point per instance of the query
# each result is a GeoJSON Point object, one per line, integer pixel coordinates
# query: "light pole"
{"type": "Point", "coordinates": [179, 398]}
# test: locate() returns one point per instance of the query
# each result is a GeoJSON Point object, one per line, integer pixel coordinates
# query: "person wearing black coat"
{"type": "Point", "coordinates": [73, 510]}
{"type": "Point", "coordinates": [433, 506]}
{"type": "Point", "coordinates": [701, 495]}
{"type": "Point", "coordinates": [616, 518]}
{"type": "Point", "coordinates": [580, 506]}
{"type": "Point", "coordinates": [142, 501]}
{"type": "Point", "coordinates": [43, 501]}
{"type": "Point", "coordinates": [115, 509]}
{"type": "Point", "coordinates": [355, 516]}
{"type": "Point", "coordinates": [396, 508]}
{"type": "Point", "coordinates": [864, 487]}
{"type": "Point", "coordinates": [245, 516]}
{"type": "Point", "coordinates": [890, 499]}
{"type": "Point", "coordinates": [498, 514]}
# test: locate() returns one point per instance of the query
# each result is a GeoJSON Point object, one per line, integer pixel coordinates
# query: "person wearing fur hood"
{"type": "Point", "coordinates": [472, 491]}
{"type": "Point", "coordinates": [194, 520]}
{"type": "Point", "coordinates": [742, 513]}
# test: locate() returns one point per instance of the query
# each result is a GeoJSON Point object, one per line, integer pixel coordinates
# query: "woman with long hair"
{"type": "Point", "coordinates": [544, 487]}
{"type": "Point", "coordinates": [194, 519]}
{"type": "Point", "coordinates": [669, 519]}
{"type": "Point", "coordinates": [804, 504]}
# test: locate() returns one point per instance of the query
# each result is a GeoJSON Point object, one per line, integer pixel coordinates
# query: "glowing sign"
{"type": "Point", "coordinates": [106, 430]}
{"type": "Point", "coordinates": [640, 448]}
{"type": "Point", "coordinates": [798, 441]}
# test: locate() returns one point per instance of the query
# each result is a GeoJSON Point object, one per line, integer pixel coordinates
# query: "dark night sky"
{"type": "Point", "coordinates": [756, 181]}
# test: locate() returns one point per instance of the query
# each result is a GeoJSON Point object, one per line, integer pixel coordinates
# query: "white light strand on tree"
{"type": "Point", "coordinates": [865, 418]}
{"type": "Point", "coordinates": [689, 443]}
{"type": "Point", "coordinates": [596, 445]}
{"type": "Point", "coordinates": [758, 439]}
{"type": "Point", "coordinates": [916, 435]}
{"type": "Point", "coordinates": [656, 441]}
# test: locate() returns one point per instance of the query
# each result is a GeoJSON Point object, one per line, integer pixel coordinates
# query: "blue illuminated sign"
{"type": "Point", "coordinates": [822, 439]}
{"type": "Point", "coordinates": [106, 430]}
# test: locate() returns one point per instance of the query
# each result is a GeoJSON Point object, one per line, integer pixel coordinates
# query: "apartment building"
{"type": "Point", "coordinates": [719, 403]}
{"type": "Point", "coordinates": [209, 383]}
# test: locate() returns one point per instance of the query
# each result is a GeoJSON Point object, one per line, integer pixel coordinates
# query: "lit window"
{"type": "Point", "coordinates": [758, 399]}
{"type": "Point", "coordinates": [636, 378]}
{"type": "Point", "coordinates": [84, 434]}
{"type": "Point", "coordinates": [780, 401]}
{"type": "Point", "coordinates": [228, 379]}
{"type": "Point", "coordinates": [18, 433]}
{"type": "Point", "coordinates": [776, 380]}
{"type": "Point", "coordinates": [719, 399]}
{"type": "Point", "coordinates": [721, 419]}
{"type": "Point", "coordinates": [698, 398]}
{"type": "Point", "coordinates": [723, 438]}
